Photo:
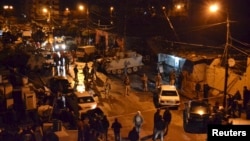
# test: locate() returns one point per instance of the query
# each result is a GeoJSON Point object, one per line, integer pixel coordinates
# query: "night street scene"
{"type": "Point", "coordinates": [122, 70]}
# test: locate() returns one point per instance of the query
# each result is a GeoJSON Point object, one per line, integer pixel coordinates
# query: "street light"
{"type": "Point", "coordinates": [111, 13]}
{"type": "Point", "coordinates": [214, 8]}
{"type": "Point", "coordinates": [46, 11]}
{"type": "Point", "coordinates": [7, 8]}
{"type": "Point", "coordinates": [82, 8]}
{"type": "Point", "coordinates": [49, 21]}
{"type": "Point", "coordinates": [111, 10]}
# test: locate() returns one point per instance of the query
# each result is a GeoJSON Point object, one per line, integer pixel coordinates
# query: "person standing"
{"type": "Point", "coordinates": [127, 85]}
{"type": "Point", "coordinates": [86, 71]}
{"type": "Point", "coordinates": [145, 82]}
{"type": "Point", "coordinates": [180, 80]}
{"type": "Point", "coordinates": [76, 73]}
{"type": "Point", "coordinates": [80, 129]}
{"type": "Point", "coordinates": [160, 126]}
{"type": "Point", "coordinates": [172, 77]}
{"type": "Point", "coordinates": [138, 121]}
{"type": "Point", "coordinates": [157, 117]}
{"type": "Point", "coordinates": [94, 68]}
{"type": "Point", "coordinates": [246, 97]}
{"type": "Point", "coordinates": [105, 123]}
{"type": "Point", "coordinates": [116, 126]}
{"type": "Point", "coordinates": [133, 135]}
{"type": "Point", "coordinates": [67, 62]}
{"type": "Point", "coordinates": [107, 87]}
{"type": "Point", "coordinates": [93, 73]}
{"type": "Point", "coordinates": [62, 65]}
{"type": "Point", "coordinates": [237, 104]}
{"type": "Point", "coordinates": [158, 80]}
{"type": "Point", "coordinates": [167, 117]}
{"type": "Point", "coordinates": [197, 89]}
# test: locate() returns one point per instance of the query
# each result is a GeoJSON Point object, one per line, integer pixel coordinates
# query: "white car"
{"type": "Point", "coordinates": [168, 96]}
{"type": "Point", "coordinates": [85, 102]}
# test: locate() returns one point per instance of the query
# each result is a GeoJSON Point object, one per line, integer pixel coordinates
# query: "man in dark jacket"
{"type": "Point", "coordinates": [246, 97]}
{"type": "Point", "coordinates": [167, 116]}
{"type": "Point", "coordinates": [116, 125]}
{"type": "Point", "coordinates": [160, 126]}
{"type": "Point", "coordinates": [157, 116]}
{"type": "Point", "coordinates": [76, 73]}
{"type": "Point", "coordinates": [133, 135]}
{"type": "Point", "coordinates": [105, 124]}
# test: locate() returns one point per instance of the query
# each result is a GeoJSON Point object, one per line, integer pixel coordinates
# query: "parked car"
{"type": "Point", "coordinates": [168, 96]}
{"type": "Point", "coordinates": [81, 102]}
{"type": "Point", "coordinates": [85, 101]}
{"type": "Point", "coordinates": [196, 116]}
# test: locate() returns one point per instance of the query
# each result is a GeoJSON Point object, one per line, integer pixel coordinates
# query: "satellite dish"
{"type": "Point", "coordinates": [231, 62]}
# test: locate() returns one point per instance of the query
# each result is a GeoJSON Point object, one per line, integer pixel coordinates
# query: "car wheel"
{"type": "Point", "coordinates": [108, 71]}
{"type": "Point", "coordinates": [129, 70]}
{"type": "Point", "coordinates": [120, 71]}
{"type": "Point", "coordinates": [135, 69]}
{"type": "Point", "coordinates": [114, 71]}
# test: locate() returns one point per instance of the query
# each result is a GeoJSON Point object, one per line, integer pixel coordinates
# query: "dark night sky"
{"type": "Point", "coordinates": [238, 8]}
{"type": "Point", "coordinates": [238, 11]}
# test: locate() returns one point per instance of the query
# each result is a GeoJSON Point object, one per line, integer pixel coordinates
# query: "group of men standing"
{"type": "Point", "coordinates": [88, 73]}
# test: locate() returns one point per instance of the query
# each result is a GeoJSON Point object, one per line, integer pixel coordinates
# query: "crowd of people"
{"type": "Point", "coordinates": [90, 129]}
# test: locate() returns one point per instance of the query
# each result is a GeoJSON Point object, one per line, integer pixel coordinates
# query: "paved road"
{"type": "Point", "coordinates": [125, 107]}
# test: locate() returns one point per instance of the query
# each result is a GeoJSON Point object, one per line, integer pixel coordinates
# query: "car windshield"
{"type": "Point", "coordinates": [169, 93]}
{"type": "Point", "coordinates": [87, 99]}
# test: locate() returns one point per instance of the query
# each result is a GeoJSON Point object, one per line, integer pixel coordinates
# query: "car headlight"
{"type": "Point", "coordinates": [94, 106]}
{"type": "Point", "coordinates": [56, 46]}
{"type": "Point", "coordinates": [63, 46]}
{"type": "Point", "coordinates": [200, 112]}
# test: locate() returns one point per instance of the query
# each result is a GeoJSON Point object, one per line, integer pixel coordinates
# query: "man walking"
{"type": "Point", "coordinates": [116, 126]}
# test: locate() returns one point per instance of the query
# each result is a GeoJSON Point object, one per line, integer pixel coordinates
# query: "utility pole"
{"type": "Point", "coordinates": [226, 63]}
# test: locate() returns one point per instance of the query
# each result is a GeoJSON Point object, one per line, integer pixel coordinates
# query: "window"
{"type": "Point", "coordinates": [88, 99]}
{"type": "Point", "coordinates": [169, 93]}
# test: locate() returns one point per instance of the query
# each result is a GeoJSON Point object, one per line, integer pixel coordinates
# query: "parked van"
{"type": "Point", "coordinates": [85, 53]}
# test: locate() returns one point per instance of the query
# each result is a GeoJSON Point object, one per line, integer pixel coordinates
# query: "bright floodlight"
{"type": "Point", "coordinates": [213, 8]}
{"type": "Point", "coordinates": [81, 7]}
{"type": "Point", "coordinates": [45, 10]}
